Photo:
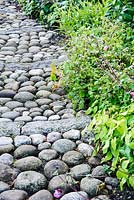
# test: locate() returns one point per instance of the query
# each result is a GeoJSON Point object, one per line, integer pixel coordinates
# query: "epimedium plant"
{"type": "Point", "coordinates": [114, 135]}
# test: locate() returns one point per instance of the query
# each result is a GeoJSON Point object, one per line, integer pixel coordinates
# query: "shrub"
{"type": "Point", "coordinates": [99, 72]}
{"type": "Point", "coordinates": [122, 10]}
{"type": "Point", "coordinates": [114, 137]}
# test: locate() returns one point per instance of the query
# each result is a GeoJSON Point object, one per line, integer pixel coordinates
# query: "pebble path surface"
{"type": "Point", "coordinates": [45, 153]}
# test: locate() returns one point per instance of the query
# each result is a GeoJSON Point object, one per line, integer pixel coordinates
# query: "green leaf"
{"type": "Point", "coordinates": [113, 143]}
{"type": "Point", "coordinates": [131, 181]}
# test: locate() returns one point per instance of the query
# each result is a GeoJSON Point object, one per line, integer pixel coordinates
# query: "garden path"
{"type": "Point", "coordinates": [43, 144]}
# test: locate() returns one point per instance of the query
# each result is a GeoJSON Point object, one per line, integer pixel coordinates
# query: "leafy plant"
{"type": "Point", "coordinates": [123, 10]}
{"type": "Point", "coordinates": [114, 133]}
{"type": "Point", "coordinates": [99, 73]}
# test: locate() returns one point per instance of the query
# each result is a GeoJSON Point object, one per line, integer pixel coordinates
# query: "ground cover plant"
{"type": "Point", "coordinates": [99, 75]}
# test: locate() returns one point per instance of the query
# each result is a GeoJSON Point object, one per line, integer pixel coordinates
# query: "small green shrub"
{"type": "Point", "coordinates": [99, 73]}
{"type": "Point", "coordinates": [114, 137]}
{"type": "Point", "coordinates": [122, 10]}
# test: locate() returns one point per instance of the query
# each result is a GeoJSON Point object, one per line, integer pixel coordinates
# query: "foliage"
{"type": "Point", "coordinates": [123, 10]}
{"type": "Point", "coordinates": [99, 72]}
{"type": "Point", "coordinates": [114, 133]}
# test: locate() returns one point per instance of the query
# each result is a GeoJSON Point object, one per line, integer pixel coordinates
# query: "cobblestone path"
{"type": "Point", "coordinates": [44, 151]}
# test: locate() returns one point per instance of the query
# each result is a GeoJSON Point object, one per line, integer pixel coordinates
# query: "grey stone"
{"type": "Point", "coordinates": [34, 49]}
{"type": "Point", "coordinates": [57, 108]}
{"type": "Point", "coordinates": [36, 79]}
{"type": "Point", "coordinates": [7, 93]}
{"type": "Point", "coordinates": [101, 197]}
{"type": "Point", "coordinates": [54, 117]}
{"type": "Point", "coordinates": [28, 88]}
{"type": "Point", "coordinates": [55, 97]}
{"type": "Point", "coordinates": [111, 181]}
{"type": "Point", "coordinates": [63, 145]}
{"type": "Point", "coordinates": [24, 96]}
{"type": "Point", "coordinates": [11, 115]}
{"type": "Point", "coordinates": [13, 104]}
{"type": "Point", "coordinates": [54, 168]}
{"type": "Point", "coordinates": [53, 136]}
{"type": "Point", "coordinates": [4, 100]}
{"type": "Point", "coordinates": [72, 134]}
{"type": "Point", "coordinates": [85, 149]}
{"type": "Point", "coordinates": [75, 196]}
{"type": "Point", "coordinates": [30, 181]}
{"type": "Point", "coordinates": [47, 155]}
{"type": "Point", "coordinates": [22, 79]}
{"type": "Point", "coordinates": [80, 171]}
{"type": "Point", "coordinates": [4, 186]}
{"type": "Point", "coordinates": [35, 114]}
{"type": "Point", "coordinates": [42, 195]}
{"type": "Point", "coordinates": [12, 86]}
{"type": "Point", "coordinates": [43, 93]}
{"type": "Point", "coordinates": [48, 113]}
{"type": "Point", "coordinates": [27, 83]}
{"type": "Point", "coordinates": [6, 148]}
{"type": "Point", "coordinates": [63, 125]}
{"type": "Point", "coordinates": [30, 104]}
{"type": "Point", "coordinates": [21, 139]}
{"type": "Point", "coordinates": [40, 118]}
{"type": "Point", "coordinates": [5, 140]}
{"type": "Point", "coordinates": [90, 186]}
{"type": "Point", "coordinates": [44, 145]}
{"type": "Point", "coordinates": [35, 109]}
{"type": "Point", "coordinates": [9, 129]}
{"type": "Point", "coordinates": [6, 159]}
{"type": "Point", "coordinates": [36, 72]}
{"type": "Point", "coordinates": [28, 163]}
{"type": "Point", "coordinates": [13, 195]}
{"type": "Point", "coordinates": [5, 120]}
{"type": "Point", "coordinates": [23, 119]}
{"type": "Point", "coordinates": [98, 171]}
{"type": "Point", "coordinates": [37, 138]}
{"type": "Point", "coordinates": [94, 161]}
{"type": "Point", "coordinates": [64, 182]}
{"type": "Point", "coordinates": [24, 151]}
{"type": "Point", "coordinates": [7, 173]}
{"type": "Point", "coordinates": [20, 109]}
{"type": "Point", "coordinates": [73, 158]}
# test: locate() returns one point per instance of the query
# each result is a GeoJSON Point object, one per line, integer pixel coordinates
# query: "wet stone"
{"type": "Point", "coordinates": [24, 151]}
{"type": "Point", "coordinates": [30, 181]}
